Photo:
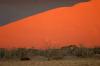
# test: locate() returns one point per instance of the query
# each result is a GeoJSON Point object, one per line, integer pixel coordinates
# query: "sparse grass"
{"type": "Point", "coordinates": [70, 62]}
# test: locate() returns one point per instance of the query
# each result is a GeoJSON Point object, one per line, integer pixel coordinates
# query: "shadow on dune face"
{"type": "Point", "coordinates": [12, 10]}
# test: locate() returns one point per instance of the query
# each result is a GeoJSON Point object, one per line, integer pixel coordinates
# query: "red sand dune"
{"type": "Point", "coordinates": [58, 27]}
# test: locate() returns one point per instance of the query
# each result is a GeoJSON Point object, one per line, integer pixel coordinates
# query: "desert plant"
{"type": "Point", "coordinates": [2, 53]}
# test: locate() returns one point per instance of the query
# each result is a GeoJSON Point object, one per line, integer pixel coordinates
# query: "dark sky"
{"type": "Point", "coordinates": [12, 10]}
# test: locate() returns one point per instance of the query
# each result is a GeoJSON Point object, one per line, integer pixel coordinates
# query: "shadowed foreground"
{"type": "Point", "coordinates": [65, 56]}
{"type": "Point", "coordinates": [72, 62]}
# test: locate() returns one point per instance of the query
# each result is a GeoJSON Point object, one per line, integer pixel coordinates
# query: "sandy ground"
{"type": "Point", "coordinates": [70, 62]}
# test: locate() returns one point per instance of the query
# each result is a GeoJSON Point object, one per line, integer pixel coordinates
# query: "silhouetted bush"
{"type": "Point", "coordinates": [2, 53]}
{"type": "Point", "coordinates": [24, 59]}
{"type": "Point", "coordinates": [97, 50]}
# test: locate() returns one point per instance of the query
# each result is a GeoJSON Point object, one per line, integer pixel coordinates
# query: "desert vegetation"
{"type": "Point", "coordinates": [50, 53]}
{"type": "Point", "coordinates": [71, 55]}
